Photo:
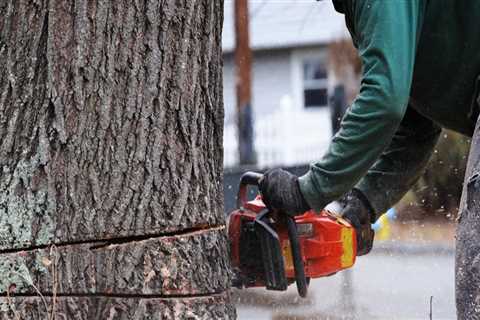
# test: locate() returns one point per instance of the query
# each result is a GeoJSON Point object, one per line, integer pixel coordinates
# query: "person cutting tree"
{"type": "Point", "coordinates": [421, 73]}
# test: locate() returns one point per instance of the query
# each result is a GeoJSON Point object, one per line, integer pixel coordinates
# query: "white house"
{"type": "Point", "coordinates": [291, 78]}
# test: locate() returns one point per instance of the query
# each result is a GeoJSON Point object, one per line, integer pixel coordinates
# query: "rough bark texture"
{"type": "Point", "coordinates": [88, 308]}
{"type": "Point", "coordinates": [467, 253]}
{"type": "Point", "coordinates": [191, 264]}
{"type": "Point", "coordinates": [111, 120]}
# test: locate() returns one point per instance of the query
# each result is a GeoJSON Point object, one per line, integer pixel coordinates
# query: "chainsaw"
{"type": "Point", "coordinates": [273, 250]}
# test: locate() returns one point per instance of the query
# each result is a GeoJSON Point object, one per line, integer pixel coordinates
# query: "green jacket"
{"type": "Point", "coordinates": [421, 61]}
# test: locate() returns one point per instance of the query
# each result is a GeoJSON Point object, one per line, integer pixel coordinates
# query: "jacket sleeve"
{"type": "Point", "coordinates": [386, 35]}
{"type": "Point", "coordinates": [401, 164]}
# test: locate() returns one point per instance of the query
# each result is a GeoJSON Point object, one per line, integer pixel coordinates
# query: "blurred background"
{"type": "Point", "coordinates": [290, 72]}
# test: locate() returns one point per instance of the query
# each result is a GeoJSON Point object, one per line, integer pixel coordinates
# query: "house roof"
{"type": "Point", "coordinates": [286, 23]}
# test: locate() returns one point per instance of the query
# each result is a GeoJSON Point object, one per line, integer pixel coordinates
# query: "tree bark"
{"type": "Point", "coordinates": [111, 119]}
{"type": "Point", "coordinates": [111, 308]}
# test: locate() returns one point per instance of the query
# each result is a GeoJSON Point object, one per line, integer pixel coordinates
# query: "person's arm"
{"type": "Point", "coordinates": [386, 36]}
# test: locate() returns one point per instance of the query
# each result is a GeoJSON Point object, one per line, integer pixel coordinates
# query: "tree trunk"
{"type": "Point", "coordinates": [111, 118]}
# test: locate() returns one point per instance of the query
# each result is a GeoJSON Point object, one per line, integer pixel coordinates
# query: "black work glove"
{"type": "Point", "coordinates": [357, 210]}
{"type": "Point", "coordinates": [280, 191]}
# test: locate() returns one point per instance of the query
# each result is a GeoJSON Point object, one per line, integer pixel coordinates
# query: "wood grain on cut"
{"type": "Point", "coordinates": [89, 308]}
{"type": "Point", "coordinates": [192, 264]}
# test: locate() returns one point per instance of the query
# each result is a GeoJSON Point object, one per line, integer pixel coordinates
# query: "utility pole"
{"type": "Point", "coordinates": [243, 63]}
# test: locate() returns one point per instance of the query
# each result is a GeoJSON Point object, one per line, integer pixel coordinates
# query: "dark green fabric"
{"type": "Point", "coordinates": [418, 55]}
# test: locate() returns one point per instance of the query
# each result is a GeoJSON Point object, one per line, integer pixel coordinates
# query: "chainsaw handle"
{"type": "Point", "coordinates": [249, 178]}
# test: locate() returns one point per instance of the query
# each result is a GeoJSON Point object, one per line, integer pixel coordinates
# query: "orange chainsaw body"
{"type": "Point", "coordinates": [327, 244]}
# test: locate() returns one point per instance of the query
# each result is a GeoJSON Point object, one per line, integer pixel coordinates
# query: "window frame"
{"type": "Point", "coordinates": [299, 57]}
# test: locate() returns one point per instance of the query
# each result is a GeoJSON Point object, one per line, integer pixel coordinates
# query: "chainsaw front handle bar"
{"type": "Point", "coordinates": [298, 265]}
{"type": "Point", "coordinates": [248, 179]}
{"type": "Point", "coordinates": [253, 179]}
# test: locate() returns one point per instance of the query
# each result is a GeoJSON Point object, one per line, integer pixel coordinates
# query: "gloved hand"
{"type": "Point", "coordinates": [280, 191]}
{"type": "Point", "coordinates": [357, 210]}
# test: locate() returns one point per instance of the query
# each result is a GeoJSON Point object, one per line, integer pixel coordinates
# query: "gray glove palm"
{"type": "Point", "coordinates": [357, 210]}
{"type": "Point", "coordinates": [280, 191]}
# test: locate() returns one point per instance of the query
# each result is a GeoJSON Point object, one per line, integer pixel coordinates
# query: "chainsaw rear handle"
{"type": "Point", "coordinates": [249, 178]}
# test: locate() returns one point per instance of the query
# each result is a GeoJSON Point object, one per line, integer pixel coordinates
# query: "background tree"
{"type": "Point", "coordinates": [111, 121]}
{"type": "Point", "coordinates": [437, 193]}
{"type": "Point", "coordinates": [346, 67]}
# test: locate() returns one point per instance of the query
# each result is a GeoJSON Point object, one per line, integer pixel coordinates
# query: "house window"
{"type": "Point", "coordinates": [315, 92]}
